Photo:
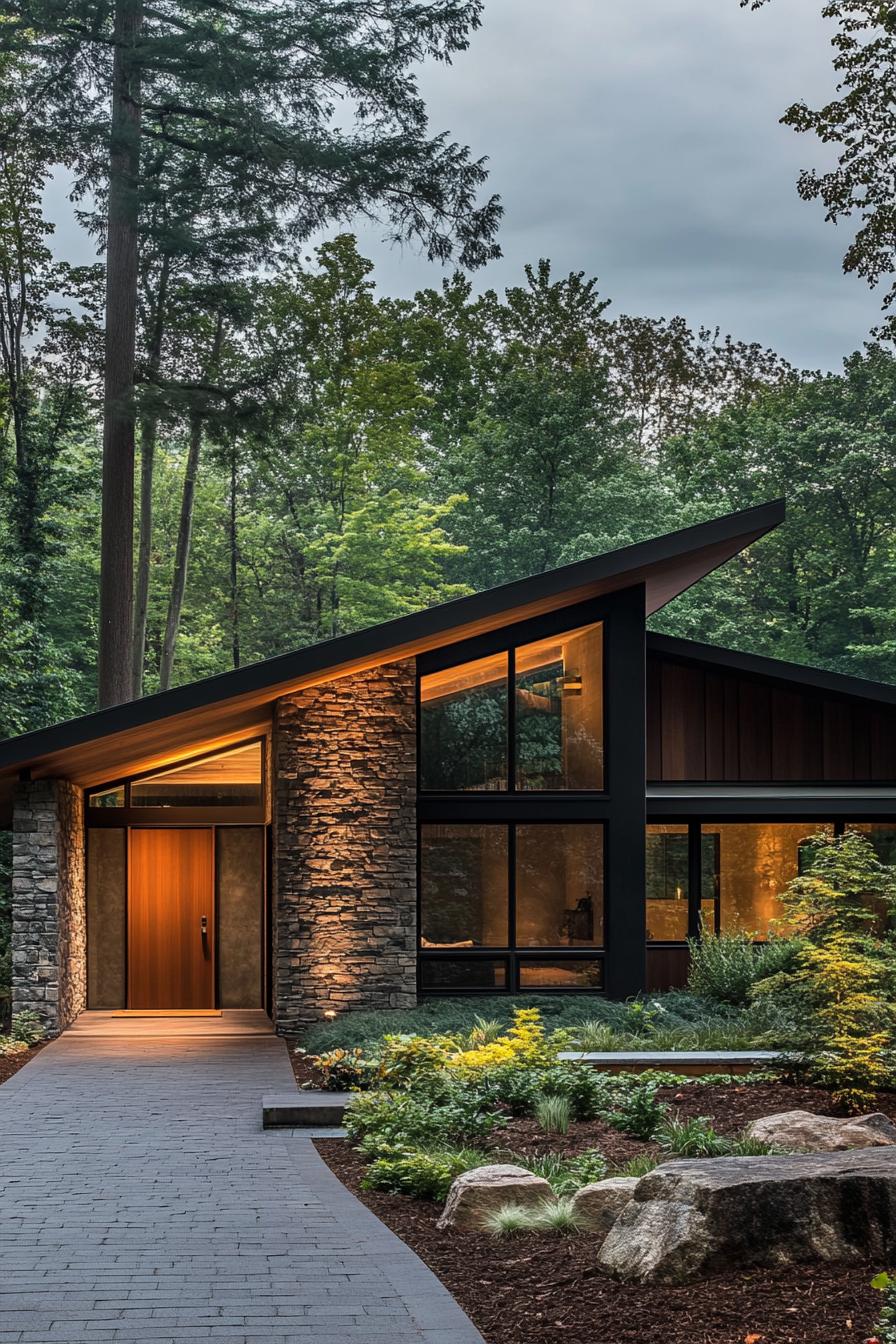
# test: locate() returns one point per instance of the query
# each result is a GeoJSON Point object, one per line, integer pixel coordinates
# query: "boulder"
{"type": "Point", "coordinates": [692, 1218]}
{"type": "Point", "coordinates": [480, 1191]}
{"type": "Point", "coordinates": [599, 1205]}
{"type": "Point", "coordinates": [808, 1133]}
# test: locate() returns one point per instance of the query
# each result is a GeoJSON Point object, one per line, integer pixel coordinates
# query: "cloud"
{"type": "Point", "coordinates": [639, 141]}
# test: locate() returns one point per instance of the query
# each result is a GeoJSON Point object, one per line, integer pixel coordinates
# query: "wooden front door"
{"type": "Point", "coordinates": [171, 919]}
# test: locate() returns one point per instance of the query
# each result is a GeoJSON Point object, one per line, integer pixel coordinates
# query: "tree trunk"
{"type": "Point", "coordinates": [148, 429]}
{"type": "Point", "coordinates": [117, 529]}
{"type": "Point", "coordinates": [181, 554]}
{"type": "Point", "coordinates": [234, 564]}
{"type": "Point", "coordinates": [185, 528]}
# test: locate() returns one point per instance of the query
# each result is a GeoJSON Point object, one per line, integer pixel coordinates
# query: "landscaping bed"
{"type": "Point", "coordinates": [542, 1289]}
{"type": "Point", "coordinates": [10, 1064]}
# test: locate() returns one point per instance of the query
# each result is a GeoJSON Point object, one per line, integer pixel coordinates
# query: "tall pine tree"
{"type": "Point", "coordinates": [296, 113]}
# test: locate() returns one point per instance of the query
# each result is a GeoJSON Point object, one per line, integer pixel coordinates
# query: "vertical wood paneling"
{"type": "Point", "coordinates": [654, 719]}
{"type": "Point", "coordinates": [732, 730]}
{"type": "Point", "coordinates": [861, 742]}
{"type": "Point", "coordinates": [684, 722]}
{"type": "Point", "coordinates": [755, 730]}
{"type": "Point", "coordinates": [837, 735]}
{"type": "Point", "coordinates": [718, 726]}
{"type": "Point", "coordinates": [883, 745]}
{"type": "Point", "coordinates": [715, 725]}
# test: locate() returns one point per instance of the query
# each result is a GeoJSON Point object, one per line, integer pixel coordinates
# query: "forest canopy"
{"type": "Point", "coordinates": [363, 456]}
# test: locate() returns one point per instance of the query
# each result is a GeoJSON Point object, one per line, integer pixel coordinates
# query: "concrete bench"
{"type": "Point", "coordinates": [694, 1063]}
{"type": "Point", "coordinates": [292, 1110]}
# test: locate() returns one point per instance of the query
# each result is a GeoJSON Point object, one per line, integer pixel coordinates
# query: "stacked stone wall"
{"type": "Point", "coordinates": [49, 916]}
{"type": "Point", "coordinates": [345, 846]}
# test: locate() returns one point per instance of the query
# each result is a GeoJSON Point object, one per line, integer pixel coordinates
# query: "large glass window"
{"type": "Point", "coordinates": [559, 885]}
{"type": "Point", "coordinates": [755, 862]}
{"type": "Point", "coordinates": [564, 973]}
{"type": "Point", "coordinates": [463, 727]}
{"type": "Point", "coordinates": [668, 882]}
{"type": "Point", "coordinates": [226, 779]}
{"type": "Point", "coordinates": [558, 705]}
{"type": "Point", "coordinates": [464, 886]}
{"type": "Point", "coordinates": [559, 712]}
{"type": "Point", "coordinates": [513, 889]}
{"type": "Point", "coordinates": [449, 974]}
{"type": "Point", "coordinates": [667, 885]}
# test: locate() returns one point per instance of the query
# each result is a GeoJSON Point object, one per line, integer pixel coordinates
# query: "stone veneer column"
{"type": "Point", "coordinates": [49, 915]}
{"type": "Point", "coordinates": [345, 846]}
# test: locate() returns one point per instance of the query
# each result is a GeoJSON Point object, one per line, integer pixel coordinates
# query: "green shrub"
{"type": "Point", "coordinates": [453, 1017]}
{"type": "Point", "coordinates": [554, 1114]}
{"type": "Point", "coordinates": [840, 990]}
{"type": "Point", "coordinates": [381, 1121]}
{"type": "Point", "coordinates": [10, 1047]}
{"type": "Point", "coordinates": [724, 967]}
{"type": "Point", "coordinates": [638, 1166]}
{"type": "Point", "coordinates": [564, 1175]}
{"type": "Point", "coordinates": [694, 1137]}
{"type": "Point", "coordinates": [509, 1220]}
{"type": "Point", "coordinates": [552, 1215]}
{"type": "Point", "coordinates": [424, 1173]}
{"type": "Point", "coordinates": [27, 1027]}
{"type": "Point", "coordinates": [343, 1070]}
{"type": "Point", "coordinates": [638, 1112]}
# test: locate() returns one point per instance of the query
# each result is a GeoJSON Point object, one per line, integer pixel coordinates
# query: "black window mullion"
{"type": "Point", "coordinates": [511, 720]}
{"type": "Point", "coordinates": [511, 897]}
{"type": "Point", "coordinates": [695, 877]}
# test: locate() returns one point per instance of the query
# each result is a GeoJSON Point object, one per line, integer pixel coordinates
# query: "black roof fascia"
{"type": "Point", "coordinates": [361, 644]}
{"type": "Point", "coordinates": [775, 669]}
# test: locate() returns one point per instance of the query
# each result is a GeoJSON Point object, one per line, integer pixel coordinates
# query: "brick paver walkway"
{"type": "Point", "coordinates": [141, 1200]}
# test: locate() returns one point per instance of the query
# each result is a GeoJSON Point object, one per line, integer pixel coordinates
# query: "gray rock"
{"type": "Point", "coordinates": [599, 1205]}
{"type": "Point", "coordinates": [480, 1191]}
{"type": "Point", "coordinates": [808, 1133]}
{"type": "Point", "coordinates": [691, 1218]}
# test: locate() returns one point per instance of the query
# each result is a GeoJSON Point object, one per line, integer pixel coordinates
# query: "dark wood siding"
{"type": "Point", "coordinates": [722, 726]}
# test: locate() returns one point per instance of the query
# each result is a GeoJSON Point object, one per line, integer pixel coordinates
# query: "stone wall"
{"type": "Point", "coordinates": [49, 919]}
{"type": "Point", "coordinates": [345, 846]}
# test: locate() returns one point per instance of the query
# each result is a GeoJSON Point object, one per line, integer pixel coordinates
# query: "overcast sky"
{"type": "Point", "coordinates": [638, 140]}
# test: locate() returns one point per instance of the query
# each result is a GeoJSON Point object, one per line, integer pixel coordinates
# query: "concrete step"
{"type": "Point", "coordinates": [292, 1110]}
{"type": "Point", "coordinates": [692, 1062]}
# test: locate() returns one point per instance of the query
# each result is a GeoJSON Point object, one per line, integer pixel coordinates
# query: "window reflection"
{"type": "Point", "coordinates": [108, 798]}
{"type": "Point", "coordinates": [755, 862]}
{"type": "Point", "coordinates": [229, 778]}
{"type": "Point", "coordinates": [463, 727]}
{"type": "Point", "coordinates": [561, 974]}
{"type": "Point", "coordinates": [464, 886]}
{"type": "Point", "coordinates": [559, 711]}
{"type": "Point", "coordinates": [881, 834]}
{"type": "Point", "coordinates": [667, 883]}
{"type": "Point", "coordinates": [559, 885]}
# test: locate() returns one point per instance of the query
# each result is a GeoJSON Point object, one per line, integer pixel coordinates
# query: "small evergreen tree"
{"type": "Point", "coordinates": [843, 975]}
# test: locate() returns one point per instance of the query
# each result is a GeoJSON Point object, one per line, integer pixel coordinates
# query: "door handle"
{"type": "Point", "coordinates": [203, 927]}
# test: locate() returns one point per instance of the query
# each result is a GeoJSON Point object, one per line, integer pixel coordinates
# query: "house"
{"type": "Point", "coordinates": [517, 790]}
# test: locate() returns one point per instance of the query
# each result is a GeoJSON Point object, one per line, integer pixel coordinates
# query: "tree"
{"type": "Point", "coordinates": [859, 120]}
{"type": "Point", "coordinates": [249, 94]}
{"type": "Point", "coordinates": [828, 443]}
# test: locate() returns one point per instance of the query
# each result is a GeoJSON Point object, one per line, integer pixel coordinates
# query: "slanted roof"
{"type": "Point", "coordinates": [774, 669]}
{"type": "Point", "coordinates": [158, 729]}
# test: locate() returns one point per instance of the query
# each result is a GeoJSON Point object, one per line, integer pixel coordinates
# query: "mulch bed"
{"type": "Point", "coordinates": [10, 1064]}
{"type": "Point", "coordinates": [542, 1289]}
{"type": "Point", "coordinates": [547, 1290]}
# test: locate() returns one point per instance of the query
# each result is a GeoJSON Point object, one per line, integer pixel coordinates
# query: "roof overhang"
{"type": "Point", "coordinates": [158, 729]}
